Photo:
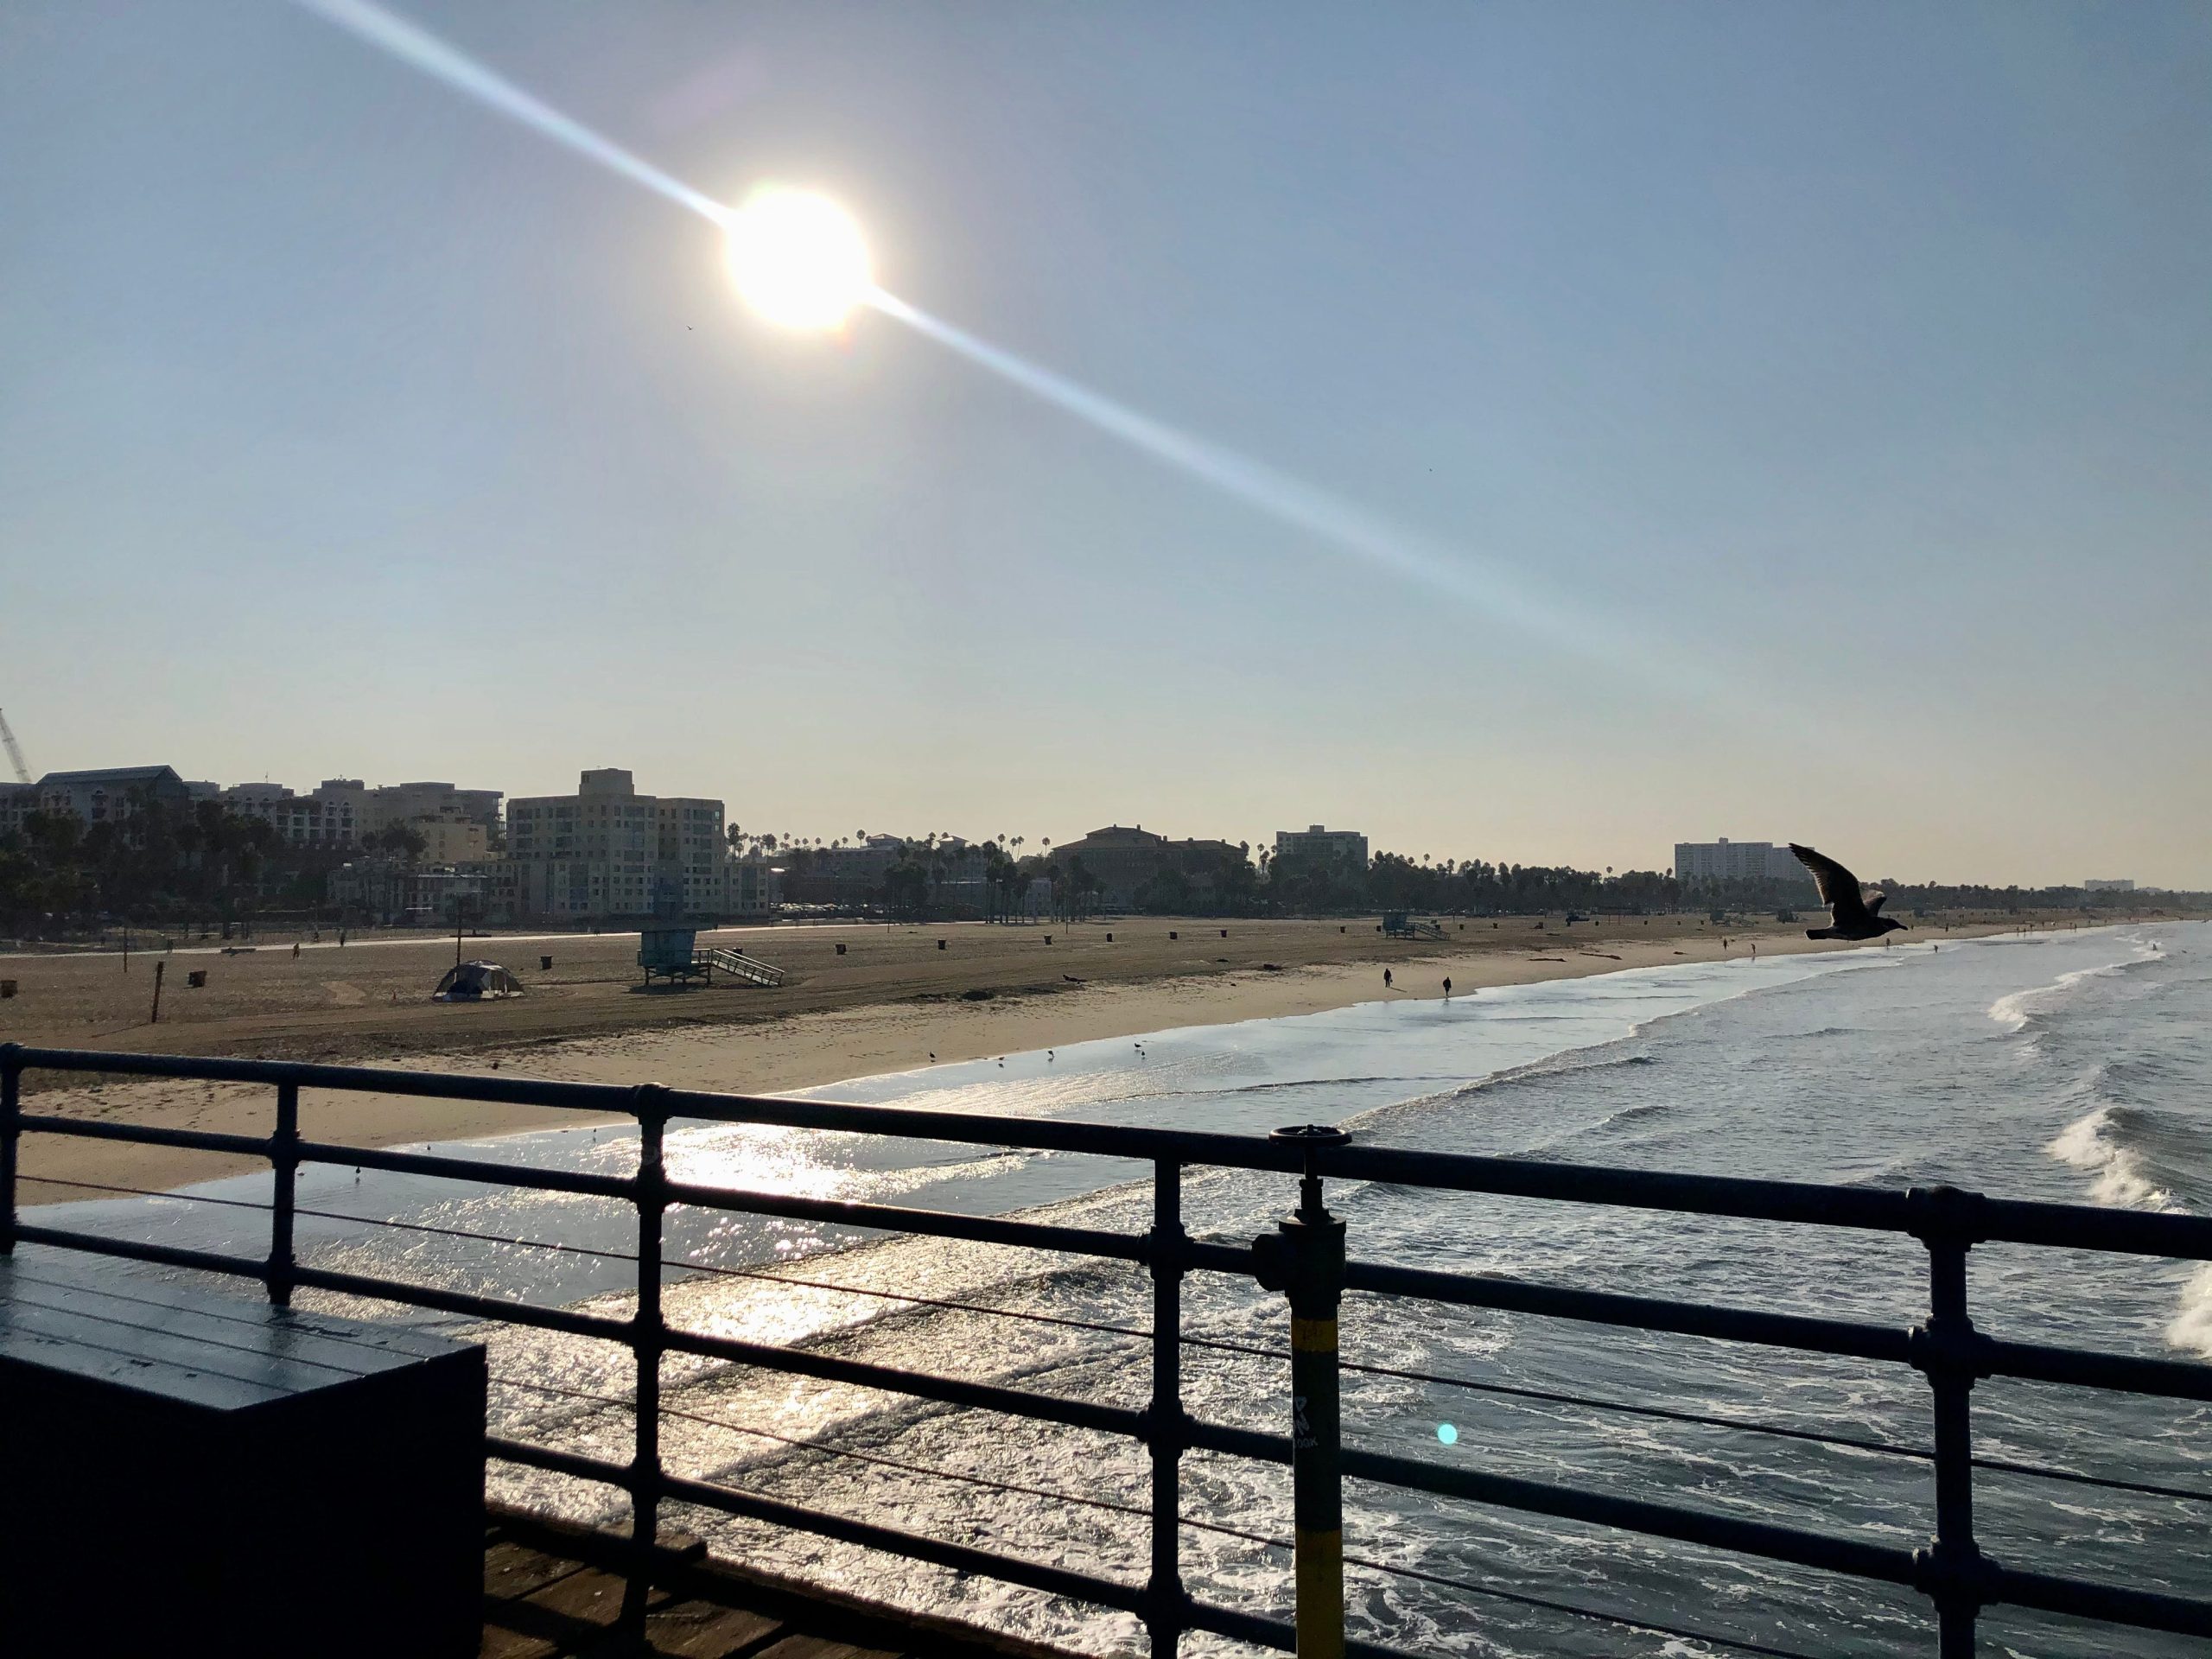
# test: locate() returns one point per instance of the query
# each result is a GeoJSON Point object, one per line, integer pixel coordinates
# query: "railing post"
{"type": "Point", "coordinates": [1305, 1257]}
{"type": "Point", "coordinates": [284, 1168]}
{"type": "Point", "coordinates": [11, 1131]}
{"type": "Point", "coordinates": [1164, 1621]}
{"type": "Point", "coordinates": [1945, 1351]}
{"type": "Point", "coordinates": [650, 1102]}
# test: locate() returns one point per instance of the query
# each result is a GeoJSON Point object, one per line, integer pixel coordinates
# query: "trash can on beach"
{"type": "Point", "coordinates": [544, 961]}
{"type": "Point", "coordinates": [7, 989]}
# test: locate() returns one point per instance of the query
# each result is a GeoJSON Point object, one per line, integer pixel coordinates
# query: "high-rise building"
{"type": "Point", "coordinates": [607, 851]}
{"type": "Point", "coordinates": [2110, 884]}
{"type": "Point", "coordinates": [1331, 845]}
{"type": "Point", "coordinates": [1736, 861]}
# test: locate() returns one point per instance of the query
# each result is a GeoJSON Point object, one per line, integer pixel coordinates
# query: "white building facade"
{"type": "Point", "coordinates": [1331, 846]}
{"type": "Point", "coordinates": [1736, 861]}
{"type": "Point", "coordinates": [608, 852]}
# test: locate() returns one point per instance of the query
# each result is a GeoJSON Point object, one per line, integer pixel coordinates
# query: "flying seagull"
{"type": "Point", "coordinates": [1851, 916]}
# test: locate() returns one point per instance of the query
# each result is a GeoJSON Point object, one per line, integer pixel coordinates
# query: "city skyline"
{"type": "Point", "coordinates": [1856, 375]}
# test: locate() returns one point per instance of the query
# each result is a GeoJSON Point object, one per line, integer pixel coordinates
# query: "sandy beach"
{"type": "Point", "coordinates": [893, 1001]}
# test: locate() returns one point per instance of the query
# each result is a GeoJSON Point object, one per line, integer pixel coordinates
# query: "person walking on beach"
{"type": "Point", "coordinates": [1447, 987]}
{"type": "Point", "coordinates": [1386, 979]}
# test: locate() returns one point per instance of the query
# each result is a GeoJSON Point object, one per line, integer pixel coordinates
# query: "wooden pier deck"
{"type": "Point", "coordinates": [547, 1596]}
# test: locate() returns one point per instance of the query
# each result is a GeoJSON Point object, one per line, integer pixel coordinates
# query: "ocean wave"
{"type": "Point", "coordinates": [2016, 1011]}
{"type": "Point", "coordinates": [2095, 1143]}
{"type": "Point", "coordinates": [2192, 1322]}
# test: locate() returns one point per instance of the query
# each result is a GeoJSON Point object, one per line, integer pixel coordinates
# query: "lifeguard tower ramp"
{"type": "Point", "coordinates": [672, 954]}
{"type": "Point", "coordinates": [1397, 924]}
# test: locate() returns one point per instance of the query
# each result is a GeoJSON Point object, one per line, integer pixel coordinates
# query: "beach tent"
{"type": "Point", "coordinates": [471, 981]}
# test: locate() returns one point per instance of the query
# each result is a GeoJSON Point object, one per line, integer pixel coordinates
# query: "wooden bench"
{"type": "Point", "coordinates": [187, 1472]}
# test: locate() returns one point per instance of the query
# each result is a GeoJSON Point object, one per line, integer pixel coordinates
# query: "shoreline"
{"type": "Point", "coordinates": [800, 1051]}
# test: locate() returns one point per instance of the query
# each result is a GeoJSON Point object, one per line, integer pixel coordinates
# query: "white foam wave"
{"type": "Point", "coordinates": [2192, 1322]}
{"type": "Point", "coordinates": [2120, 1178]}
{"type": "Point", "coordinates": [2013, 1012]}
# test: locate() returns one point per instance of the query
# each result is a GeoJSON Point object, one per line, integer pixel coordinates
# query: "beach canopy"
{"type": "Point", "coordinates": [471, 981]}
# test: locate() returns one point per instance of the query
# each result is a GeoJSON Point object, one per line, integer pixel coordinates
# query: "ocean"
{"type": "Point", "coordinates": [2073, 1066]}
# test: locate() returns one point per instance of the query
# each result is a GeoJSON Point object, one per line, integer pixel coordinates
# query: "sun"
{"type": "Point", "coordinates": [798, 258]}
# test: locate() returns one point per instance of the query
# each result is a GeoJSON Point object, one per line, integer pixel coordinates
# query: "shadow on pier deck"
{"type": "Point", "coordinates": [554, 1592]}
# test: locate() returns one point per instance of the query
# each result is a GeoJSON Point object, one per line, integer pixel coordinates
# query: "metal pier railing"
{"type": "Point", "coordinates": [1306, 1259]}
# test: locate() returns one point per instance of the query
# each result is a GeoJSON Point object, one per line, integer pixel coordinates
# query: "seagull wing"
{"type": "Point", "coordinates": [1838, 886]}
{"type": "Point", "coordinates": [1875, 901]}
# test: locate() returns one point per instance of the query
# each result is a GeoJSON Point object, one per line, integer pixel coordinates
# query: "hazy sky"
{"type": "Point", "coordinates": [1841, 376]}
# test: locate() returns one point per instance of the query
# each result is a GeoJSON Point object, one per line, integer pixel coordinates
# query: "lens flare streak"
{"type": "Point", "coordinates": [1483, 584]}
{"type": "Point", "coordinates": [1280, 496]}
{"type": "Point", "coordinates": [414, 45]}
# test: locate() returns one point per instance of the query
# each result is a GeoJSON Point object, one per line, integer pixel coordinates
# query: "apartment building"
{"type": "Point", "coordinates": [1736, 861]}
{"type": "Point", "coordinates": [1335, 846]}
{"type": "Point", "coordinates": [607, 851]}
{"type": "Point", "coordinates": [107, 794]}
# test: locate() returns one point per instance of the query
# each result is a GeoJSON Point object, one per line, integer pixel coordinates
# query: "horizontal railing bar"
{"type": "Point", "coordinates": [1018, 1402]}
{"type": "Point", "coordinates": [147, 1135]}
{"type": "Point", "coordinates": [939, 1224]}
{"type": "Point", "coordinates": [1712, 1195]}
{"type": "Point", "coordinates": [1542, 1395]}
{"type": "Point", "coordinates": [1255, 1444]}
{"type": "Point", "coordinates": [620, 1188]}
{"type": "Point", "coordinates": [2081, 1226]}
{"type": "Point", "coordinates": [1842, 1336]}
{"type": "Point", "coordinates": [1546, 1604]}
{"type": "Point", "coordinates": [608, 1097]}
{"type": "Point", "coordinates": [476, 1307]}
{"type": "Point", "coordinates": [1761, 1538]}
{"type": "Point", "coordinates": [2090, 1227]}
{"type": "Point", "coordinates": [168, 1255]}
{"type": "Point", "coordinates": [892, 1379]}
{"type": "Point", "coordinates": [1220, 1258]}
{"type": "Point", "coordinates": [1036, 1575]}
{"type": "Point", "coordinates": [1263, 1632]}
{"type": "Point", "coordinates": [2033, 1362]}
{"type": "Point", "coordinates": [2049, 1593]}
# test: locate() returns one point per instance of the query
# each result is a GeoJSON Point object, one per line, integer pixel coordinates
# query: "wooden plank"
{"type": "Point", "coordinates": [588, 1596]}
{"type": "Point", "coordinates": [701, 1629]}
{"type": "Point", "coordinates": [819, 1647]}
{"type": "Point", "coordinates": [499, 1643]}
{"type": "Point", "coordinates": [222, 1355]}
{"type": "Point", "coordinates": [512, 1570]}
{"type": "Point", "coordinates": [142, 1362]}
{"type": "Point", "coordinates": [570, 1614]}
{"type": "Point", "coordinates": [74, 1275]}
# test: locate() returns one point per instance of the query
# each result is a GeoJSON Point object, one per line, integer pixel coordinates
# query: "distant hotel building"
{"type": "Point", "coordinates": [104, 796]}
{"type": "Point", "coordinates": [454, 823]}
{"type": "Point", "coordinates": [1125, 860]}
{"type": "Point", "coordinates": [2110, 884]}
{"type": "Point", "coordinates": [1736, 861]}
{"type": "Point", "coordinates": [1332, 846]}
{"type": "Point", "coordinates": [607, 851]}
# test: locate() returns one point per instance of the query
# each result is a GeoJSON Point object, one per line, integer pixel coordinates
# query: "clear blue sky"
{"type": "Point", "coordinates": [1855, 363]}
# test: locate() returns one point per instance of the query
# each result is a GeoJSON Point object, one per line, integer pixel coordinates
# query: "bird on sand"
{"type": "Point", "coordinates": [1851, 915]}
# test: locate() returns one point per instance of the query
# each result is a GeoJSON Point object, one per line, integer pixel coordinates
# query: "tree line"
{"type": "Point", "coordinates": [176, 861]}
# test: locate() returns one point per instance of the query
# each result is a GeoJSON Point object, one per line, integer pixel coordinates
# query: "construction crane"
{"type": "Point", "coordinates": [14, 752]}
